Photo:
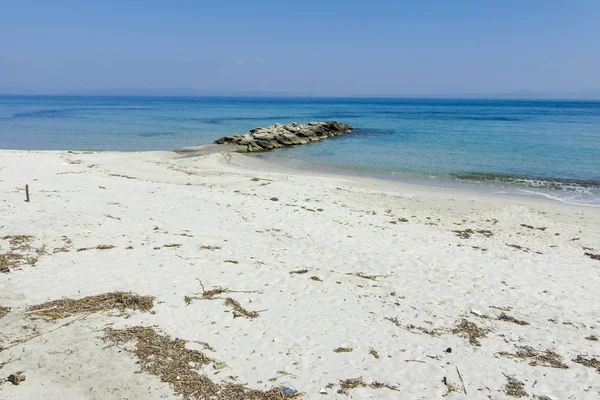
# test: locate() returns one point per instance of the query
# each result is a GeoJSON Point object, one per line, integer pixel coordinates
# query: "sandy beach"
{"type": "Point", "coordinates": [289, 283]}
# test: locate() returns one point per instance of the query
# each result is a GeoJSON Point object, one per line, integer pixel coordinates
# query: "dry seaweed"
{"type": "Point", "coordinates": [518, 247]}
{"type": "Point", "coordinates": [316, 278]}
{"type": "Point", "coordinates": [19, 242]}
{"type": "Point", "coordinates": [210, 294]}
{"type": "Point", "coordinates": [107, 301]}
{"type": "Point", "coordinates": [347, 384]}
{"type": "Point", "coordinates": [299, 271]}
{"type": "Point", "coordinates": [411, 327]}
{"type": "Point", "coordinates": [508, 318]}
{"type": "Point", "coordinates": [343, 350]}
{"type": "Point", "coordinates": [374, 353]}
{"type": "Point", "coordinates": [213, 293]}
{"type": "Point", "coordinates": [99, 247]}
{"type": "Point", "coordinates": [546, 358]}
{"type": "Point", "coordinates": [172, 245]}
{"type": "Point", "coordinates": [467, 233]}
{"type": "Point", "coordinates": [469, 330]}
{"type": "Point", "coordinates": [509, 308]}
{"type": "Point", "coordinates": [514, 387]}
{"type": "Point", "coordinates": [593, 256]}
{"type": "Point", "coordinates": [211, 248]}
{"type": "Point", "coordinates": [15, 258]}
{"type": "Point", "coordinates": [173, 363]}
{"type": "Point", "coordinates": [593, 338]}
{"type": "Point", "coordinates": [543, 228]}
{"type": "Point", "coordinates": [4, 311]}
{"type": "Point", "coordinates": [238, 310]}
{"type": "Point", "coordinates": [588, 362]}
{"type": "Point", "coordinates": [365, 276]}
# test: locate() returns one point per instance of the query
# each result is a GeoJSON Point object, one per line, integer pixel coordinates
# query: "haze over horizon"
{"type": "Point", "coordinates": [464, 48]}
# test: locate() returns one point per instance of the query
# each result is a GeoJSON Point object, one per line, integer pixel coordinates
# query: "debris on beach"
{"type": "Point", "coordinates": [21, 253]}
{"type": "Point", "coordinates": [102, 302]}
{"type": "Point", "coordinates": [508, 318]}
{"type": "Point", "coordinates": [452, 387]}
{"type": "Point", "coordinates": [470, 331]}
{"type": "Point", "coordinates": [588, 362]}
{"type": "Point", "coordinates": [467, 233]}
{"type": "Point", "coordinates": [514, 387]}
{"type": "Point", "coordinates": [593, 256]}
{"type": "Point", "coordinates": [411, 328]}
{"type": "Point", "coordinates": [365, 276]}
{"type": "Point", "coordinates": [238, 310]}
{"type": "Point", "coordinates": [174, 367]}
{"type": "Point", "coordinates": [16, 378]}
{"type": "Point", "coordinates": [99, 247]}
{"type": "Point", "coordinates": [343, 350]}
{"type": "Point", "coordinates": [4, 311]}
{"type": "Point", "coordinates": [545, 358]}
{"type": "Point", "coordinates": [543, 228]}
{"type": "Point", "coordinates": [353, 383]}
{"type": "Point", "coordinates": [299, 271]}
{"type": "Point", "coordinates": [209, 247]}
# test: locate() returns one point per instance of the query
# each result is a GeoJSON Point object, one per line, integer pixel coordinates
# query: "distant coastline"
{"type": "Point", "coordinates": [583, 95]}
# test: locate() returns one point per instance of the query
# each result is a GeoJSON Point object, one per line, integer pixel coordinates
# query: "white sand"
{"type": "Point", "coordinates": [426, 276]}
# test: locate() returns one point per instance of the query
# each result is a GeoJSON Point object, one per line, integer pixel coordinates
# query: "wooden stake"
{"type": "Point", "coordinates": [461, 380]}
{"type": "Point", "coordinates": [27, 193]}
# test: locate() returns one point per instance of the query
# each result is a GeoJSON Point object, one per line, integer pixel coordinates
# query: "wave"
{"type": "Point", "coordinates": [574, 191]}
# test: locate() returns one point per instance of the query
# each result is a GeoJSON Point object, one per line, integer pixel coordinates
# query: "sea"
{"type": "Point", "coordinates": [527, 147]}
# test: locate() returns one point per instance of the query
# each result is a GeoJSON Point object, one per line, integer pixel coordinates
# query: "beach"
{"type": "Point", "coordinates": [321, 279]}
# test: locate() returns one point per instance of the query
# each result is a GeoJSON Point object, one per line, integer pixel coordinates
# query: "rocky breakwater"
{"type": "Point", "coordinates": [277, 136]}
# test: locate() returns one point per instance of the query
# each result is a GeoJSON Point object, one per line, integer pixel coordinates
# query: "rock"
{"type": "Point", "coordinates": [277, 136]}
{"type": "Point", "coordinates": [452, 387]}
{"type": "Point", "coordinates": [16, 378]}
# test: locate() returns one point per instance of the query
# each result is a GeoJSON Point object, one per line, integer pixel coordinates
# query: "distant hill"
{"type": "Point", "coordinates": [590, 94]}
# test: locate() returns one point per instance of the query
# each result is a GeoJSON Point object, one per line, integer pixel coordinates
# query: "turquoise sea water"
{"type": "Point", "coordinates": [550, 148]}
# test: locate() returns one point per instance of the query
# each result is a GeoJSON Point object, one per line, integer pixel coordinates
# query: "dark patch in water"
{"type": "Point", "coordinates": [366, 132]}
{"type": "Point", "coordinates": [334, 116]}
{"type": "Point", "coordinates": [221, 121]}
{"type": "Point", "coordinates": [448, 117]}
{"type": "Point", "coordinates": [155, 134]}
{"type": "Point", "coordinates": [44, 114]}
{"type": "Point", "coordinates": [67, 112]}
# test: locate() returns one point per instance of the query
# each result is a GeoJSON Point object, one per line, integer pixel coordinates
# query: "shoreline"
{"type": "Point", "coordinates": [259, 162]}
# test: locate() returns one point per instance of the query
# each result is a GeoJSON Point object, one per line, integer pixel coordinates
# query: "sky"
{"type": "Point", "coordinates": [325, 48]}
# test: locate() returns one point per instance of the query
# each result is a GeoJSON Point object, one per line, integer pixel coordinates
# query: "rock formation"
{"type": "Point", "coordinates": [277, 136]}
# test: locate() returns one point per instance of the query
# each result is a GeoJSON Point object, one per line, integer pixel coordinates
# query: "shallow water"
{"type": "Point", "coordinates": [550, 148]}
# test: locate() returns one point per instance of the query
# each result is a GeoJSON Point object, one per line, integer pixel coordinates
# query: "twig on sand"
{"type": "Point", "coordinates": [43, 333]}
{"type": "Point", "coordinates": [40, 310]}
{"type": "Point", "coordinates": [419, 361]}
{"type": "Point", "coordinates": [461, 380]}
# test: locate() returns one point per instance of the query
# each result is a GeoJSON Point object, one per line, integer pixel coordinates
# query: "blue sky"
{"type": "Point", "coordinates": [306, 47]}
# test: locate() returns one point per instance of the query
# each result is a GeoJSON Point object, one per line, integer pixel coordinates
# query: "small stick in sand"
{"type": "Point", "coordinates": [43, 333]}
{"type": "Point", "coordinates": [461, 380]}
{"type": "Point", "coordinates": [27, 193]}
{"type": "Point", "coordinates": [40, 310]}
